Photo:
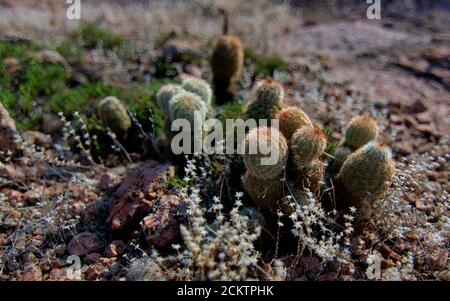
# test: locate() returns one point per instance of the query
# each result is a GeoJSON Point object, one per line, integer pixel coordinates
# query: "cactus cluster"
{"type": "Point", "coordinates": [267, 100]}
{"type": "Point", "coordinates": [114, 115]}
{"type": "Point", "coordinates": [181, 102]}
{"type": "Point", "coordinates": [361, 170]}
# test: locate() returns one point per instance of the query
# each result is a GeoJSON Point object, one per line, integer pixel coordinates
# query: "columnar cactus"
{"type": "Point", "coordinates": [307, 144]}
{"type": "Point", "coordinates": [268, 99]}
{"type": "Point", "coordinates": [165, 94]}
{"type": "Point", "coordinates": [114, 115]}
{"type": "Point", "coordinates": [360, 130]}
{"type": "Point", "coordinates": [265, 192]}
{"type": "Point", "coordinates": [291, 119]}
{"type": "Point", "coordinates": [270, 140]}
{"type": "Point", "coordinates": [227, 62]}
{"type": "Point", "coordinates": [198, 86]}
{"type": "Point", "coordinates": [366, 173]}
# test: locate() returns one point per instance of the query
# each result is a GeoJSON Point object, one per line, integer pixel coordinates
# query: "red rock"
{"type": "Point", "coordinates": [116, 248]}
{"type": "Point", "coordinates": [386, 251]}
{"type": "Point", "coordinates": [60, 250]}
{"type": "Point", "coordinates": [8, 172]}
{"type": "Point", "coordinates": [138, 193]}
{"type": "Point", "coordinates": [92, 258]}
{"type": "Point", "coordinates": [424, 117]}
{"type": "Point", "coordinates": [31, 197]}
{"type": "Point", "coordinates": [144, 178]}
{"type": "Point", "coordinates": [93, 272]}
{"type": "Point", "coordinates": [84, 243]}
{"type": "Point", "coordinates": [58, 263]}
{"type": "Point", "coordinates": [439, 259]}
{"type": "Point", "coordinates": [37, 138]}
{"type": "Point", "coordinates": [162, 225]}
{"type": "Point", "coordinates": [108, 181]}
{"type": "Point", "coordinates": [31, 272]}
{"type": "Point", "coordinates": [417, 107]}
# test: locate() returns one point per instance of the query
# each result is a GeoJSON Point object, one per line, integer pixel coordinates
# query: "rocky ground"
{"type": "Point", "coordinates": [58, 200]}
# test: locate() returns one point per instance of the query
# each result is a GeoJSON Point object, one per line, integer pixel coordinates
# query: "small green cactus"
{"type": "Point", "coordinates": [268, 100]}
{"type": "Point", "coordinates": [165, 94]}
{"type": "Point", "coordinates": [366, 172]}
{"type": "Point", "coordinates": [307, 144]}
{"type": "Point", "coordinates": [291, 119]}
{"type": "Point", "coordinates": [274, 141]}
{"type": "Point", "coordinates": [360, 130]}
{"type": "Point", "coordinates": [114, 115]}
{"type": "Point", "coordinates": [184, 104]}
{"type": "Point", "coordinates": [269, 92]}
{"type": "Point", "coordinates": [198, 86]}
{"type": "Point", "coordinates": [265, 192]}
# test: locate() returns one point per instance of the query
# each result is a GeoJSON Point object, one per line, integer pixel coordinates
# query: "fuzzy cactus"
{"type": "Point", "coordinates": [273, 140]}
{"type": "Point", "coordinates": [227, 62]}
{"type": "Point", "coordinates": [366, 172]}
{"type": "Point", "coordinates": [291, 119]}
{"type": "Point", "coordinates": [312, 176]}
{"type": "Point", "coordinates": [184, 104]}
{"type": "Point", "coordinates": [360, 130]}
{"type": "Point", "coordinates": [269, 92]}
{"type": "Point", "coordinates": [268, 100]}
{"type": "Point", "coordinates": [265, 192]}
{"type": "Point", "coordinates": [307, 144]}
{"type": "Point", "coordinates": [198, 86]}
{"type": "Point", "coordinates": [114, 115]}
{"type": "Point", "coordinates": [165, 94]}
{"type": "Point", "coordinates": [340, 155]}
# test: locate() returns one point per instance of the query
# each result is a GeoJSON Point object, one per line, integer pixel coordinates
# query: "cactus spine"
{"type": "Point", "coordinates": [291, 119]}
{"type": "Point", "coordinates": [360, 130]}
{"type": "Point", "coordinates": [114, 115]}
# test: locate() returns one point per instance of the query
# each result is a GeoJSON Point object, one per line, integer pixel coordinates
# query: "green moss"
{"type": "Point", "coordinates": [331, 143]}
{"type": "Point", "coordinates": [90, 36]}
{"type": "Point", "coordinates": [176, 182]}
{"type": "Point", "coordinates": [265, 66]}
